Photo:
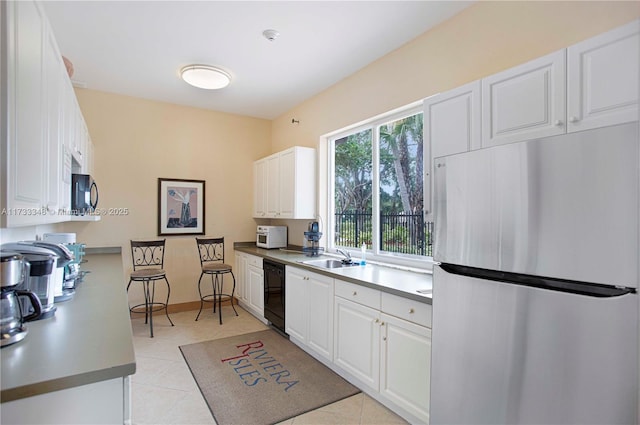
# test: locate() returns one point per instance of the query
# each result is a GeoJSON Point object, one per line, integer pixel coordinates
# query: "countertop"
{"type": "Point", "coordinates": [88, 340]}
{"type": "Point", "coordinates": [404, 283]}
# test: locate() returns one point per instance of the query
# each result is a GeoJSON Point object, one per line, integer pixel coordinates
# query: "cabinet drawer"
{"type": "Point", "coordinates": [407, 309]}
{"type": "Point", "coordinates": [252, 260]}
{"type": "Point", "coordinates": [359, 294]}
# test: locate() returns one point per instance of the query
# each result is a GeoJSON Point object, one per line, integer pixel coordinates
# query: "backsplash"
{"type": "Point", "coordinates": [15, 234]}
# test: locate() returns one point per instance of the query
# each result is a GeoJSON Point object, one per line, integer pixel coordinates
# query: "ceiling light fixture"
{"type": "Point", "coordinates": [270, 35]}
{"type": "Point", "coordinates": [205, 76]}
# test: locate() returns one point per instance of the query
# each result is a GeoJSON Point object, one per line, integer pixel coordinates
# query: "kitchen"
{"type": "Point", "coordinates": [218, 144]}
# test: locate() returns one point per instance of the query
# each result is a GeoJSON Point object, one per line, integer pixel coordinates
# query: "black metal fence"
{"type": "Point", "coordinates": [400, 233]}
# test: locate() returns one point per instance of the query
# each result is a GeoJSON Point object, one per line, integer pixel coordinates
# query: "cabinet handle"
{"type": "Point", "coordinates": [381, 323]}
{"type": "Point", "coordinates": [355, 293]}
{"type": "Point", "coordinates": [573, 119]}
{"type": "Point", "coordinates": [384, 338]}
{"type": "Point", "coordinates": [377, 321]}
{"type": "Point", "coordinates": [558, 123]}
{"type": "Point", "coordinates": [411, 311]}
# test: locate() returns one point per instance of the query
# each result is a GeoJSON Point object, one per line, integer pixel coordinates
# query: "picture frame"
{"type": "Point", "coordinates": [181, 207]}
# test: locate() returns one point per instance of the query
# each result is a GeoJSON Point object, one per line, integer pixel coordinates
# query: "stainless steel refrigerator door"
{"type": "Point", "coordinates": [564, 207]}
{"type": "Point", "coordinates": [509, 354]}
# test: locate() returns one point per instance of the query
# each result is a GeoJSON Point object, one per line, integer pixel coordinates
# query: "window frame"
{"type": "Point", "coordinates": [326, 183]}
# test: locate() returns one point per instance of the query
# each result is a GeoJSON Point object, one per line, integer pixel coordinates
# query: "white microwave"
{"type": "Point", "coordinates": [271, 237]}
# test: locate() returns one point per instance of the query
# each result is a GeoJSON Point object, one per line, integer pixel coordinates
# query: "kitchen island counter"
{"type": "Point", "coordinates": [405, 283]}
{"type": "Point", "coordinates": [89, 340]}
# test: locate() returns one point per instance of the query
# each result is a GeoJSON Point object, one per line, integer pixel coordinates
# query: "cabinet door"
{"type": "Point", "coordinates": [287, 184]}
{"type": "Point", "coordinates": [259, 188]}
{"type": "Point", "coordinates": [273, 186]}
{"type": "Point", "coordinates": [452, 120]}
{"type": "Point", "coordinates": [357, 341]}
{"type": "Point", "coordinates": [26, 113]}
{"type": "Point", "coordinates": [256, 290]}
{"type": "Point", "coordinates": [525, 102]}
{"type": "Point", "coordinates": [320, 308]}
{"type": "Point", "coordinates": [80, 140]}
{"type": "Point", "coordinates": [603, 74]}
{"type": "Point", "coordinates": [69, 134]}
{"type": "Point", "coordinates": [54, 166]}
{"type": "Point", "coordinates": [240, 272]}
{"type": "Point", "coordinates": [296, 304]}
{"type": "Point", "coordinates": [405, 372]}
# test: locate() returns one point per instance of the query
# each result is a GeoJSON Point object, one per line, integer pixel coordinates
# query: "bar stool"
{"type": "Point", "coordinates": [148, 263]}
{"type": "Point", "coordinates": [211, 251]}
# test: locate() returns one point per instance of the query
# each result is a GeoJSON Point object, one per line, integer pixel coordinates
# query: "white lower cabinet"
{"type": "Point", "coordinates": [103, 402]}
{"type": "Point", "coordinates": [405, 365]}
{"type": "Point", "coordinates": [255, 278]}
{"type": "Point", "coordinates": [250, 284]}
{"type": "Point", "coordinates": [309, 311]}
{"type": "Point", "coordinates": [384, 342]}
{"type": "Point", "coordinates": [357, 341]}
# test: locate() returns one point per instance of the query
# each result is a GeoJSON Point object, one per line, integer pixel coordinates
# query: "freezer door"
{"type": "Point", "coordinates": [512, 354]}
{"type": "Point", "coordinates": [563, 207]}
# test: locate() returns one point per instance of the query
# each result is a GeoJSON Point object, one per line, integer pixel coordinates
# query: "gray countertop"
{"type": "Point", "coordinates": [88, 340]}
{"type": "Point", "coordinates": [393, 280]}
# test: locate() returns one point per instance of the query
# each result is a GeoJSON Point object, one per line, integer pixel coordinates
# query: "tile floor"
{"type": "Point", "coordinates": [164, 392]}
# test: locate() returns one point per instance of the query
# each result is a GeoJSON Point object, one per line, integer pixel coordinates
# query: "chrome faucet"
{"type": "Point", "coordinates": [346, 255]}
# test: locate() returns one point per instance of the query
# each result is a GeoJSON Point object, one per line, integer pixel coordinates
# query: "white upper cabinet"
{"type": "Point", "coordinates": [260, 188]}
{"type": "Point", "coordinates": [273, 186]}
{"type": "Point", "coordinates": [285, 184]}
{"type": "Point", "coordinates": [603, 74]}
{"type": "Point", "coordinates": [43, 120]}
{"type": "Point", "coordinates": [298, 183]}
{"type": "Point", "coordinates": [452, 120]}
{"type": "Point", "coordinates": [55, 166]}
{"type": "Point", "coordinates": [25, 101]}
{"type": "Point", "coordinates": [525, 102]}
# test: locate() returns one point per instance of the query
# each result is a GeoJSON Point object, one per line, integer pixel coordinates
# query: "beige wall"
{"type": "Point", "coordinates": [137, 141]}
{"type": "Point", "coordinates": [481, 40]}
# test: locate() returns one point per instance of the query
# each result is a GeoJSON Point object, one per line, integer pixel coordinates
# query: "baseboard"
{"type": "Point", "coordinates": [194, 305]}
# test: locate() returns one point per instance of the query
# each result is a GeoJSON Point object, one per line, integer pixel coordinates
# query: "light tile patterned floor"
{"type": "Point", "coordinates": [164, 392]}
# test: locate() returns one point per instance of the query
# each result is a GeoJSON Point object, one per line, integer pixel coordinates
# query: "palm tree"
{"type": "Point", "coordinates": [397, 136]}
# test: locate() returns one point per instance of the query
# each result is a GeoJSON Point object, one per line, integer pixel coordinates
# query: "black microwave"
{"type": "Point", "coordinates": [84, 194]}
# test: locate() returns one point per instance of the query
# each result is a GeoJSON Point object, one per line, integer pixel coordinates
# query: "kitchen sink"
{"type": "Point", "coordinates": [329, 263]}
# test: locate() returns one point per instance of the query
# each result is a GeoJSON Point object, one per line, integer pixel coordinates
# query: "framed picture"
{"type": "Point", "coordinates": [180, 207]}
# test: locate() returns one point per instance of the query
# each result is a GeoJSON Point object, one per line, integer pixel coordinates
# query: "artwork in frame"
{"type": "Point", "coordinates": [180, 207]}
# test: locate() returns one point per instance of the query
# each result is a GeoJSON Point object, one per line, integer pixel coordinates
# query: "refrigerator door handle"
{"type": "Point", "coordinates": [551, 284]}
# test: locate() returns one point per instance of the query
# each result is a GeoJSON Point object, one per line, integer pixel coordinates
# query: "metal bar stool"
{"type": "Point", "coordinates": [148, 263]}
{"type": "Point", "coordinates": [211, 251]}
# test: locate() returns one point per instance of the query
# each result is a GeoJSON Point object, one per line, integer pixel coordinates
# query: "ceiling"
{"type": "Point", "coordinates": [137, 48]}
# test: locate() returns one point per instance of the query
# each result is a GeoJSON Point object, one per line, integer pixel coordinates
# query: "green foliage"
{"type": "Point", "coordinates": [401, 178]}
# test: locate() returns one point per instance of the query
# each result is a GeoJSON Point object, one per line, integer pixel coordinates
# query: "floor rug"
{"type": "Point", "coordinates": [261, 378]}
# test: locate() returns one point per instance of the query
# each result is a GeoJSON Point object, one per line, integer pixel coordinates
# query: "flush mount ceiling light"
{"type": "Point", "coordinates": [205, 76]}
{"type": "Point", "coordinates": [270, 35]}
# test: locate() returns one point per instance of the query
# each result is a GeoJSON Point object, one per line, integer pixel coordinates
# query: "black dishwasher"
{"type": "Point", "coordinates": [274, 293]}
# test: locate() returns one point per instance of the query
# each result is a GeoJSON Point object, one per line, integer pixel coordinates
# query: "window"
{"type": "Point", "coordinates": [376, 188]}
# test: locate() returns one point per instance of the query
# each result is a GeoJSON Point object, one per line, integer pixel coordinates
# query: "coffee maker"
{"type": "Point", "coordinates": [61, 255]}
{"type": "Point", "coordinates": [40, 281]}
{"type": "Point", "coordinates": [13, 271]}
{"type": "Point", "coordinates": [312, 237]}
